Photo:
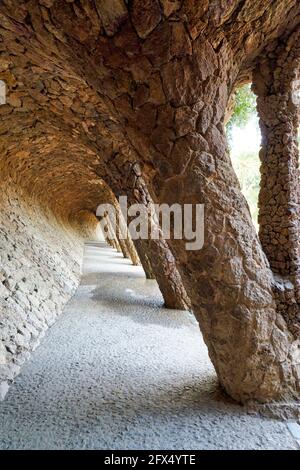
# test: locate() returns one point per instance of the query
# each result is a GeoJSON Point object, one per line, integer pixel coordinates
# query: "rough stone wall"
{"type": "Point", "coordinates": [276, 83]}
{"type": "Point", "coordinates": [47, 205]}
{"type": "Point", "coordinates": [40, 265]}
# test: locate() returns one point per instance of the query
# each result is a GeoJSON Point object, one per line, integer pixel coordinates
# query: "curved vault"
{"type": "Point", "coordinates": [135, 94]}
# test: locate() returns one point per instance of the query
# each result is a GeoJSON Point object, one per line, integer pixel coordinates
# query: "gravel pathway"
{"type": "Point", "coordinates": [118, 371]}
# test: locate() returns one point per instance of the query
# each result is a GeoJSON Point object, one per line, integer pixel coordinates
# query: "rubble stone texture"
{"type": "Point", "coordinates": [135, 94]}
{"type": "Point", "coordinates": [277, 84]}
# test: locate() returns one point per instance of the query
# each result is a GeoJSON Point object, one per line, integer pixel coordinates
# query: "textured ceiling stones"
{"type": "Point", "coordinates": [80, 65]}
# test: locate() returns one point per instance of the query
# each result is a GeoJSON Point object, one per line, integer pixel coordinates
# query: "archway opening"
{"type": "Point", "coordinates": [244, 138]}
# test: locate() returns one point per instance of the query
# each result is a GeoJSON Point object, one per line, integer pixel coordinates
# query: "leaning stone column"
{"type": "Point", "coordinates": [126, 243]}
{"type": "Point", "coordinates": [173, 126]}
{"type": "Point", "coordinates": [132, 251]}
{"type": "Point", "coordinates": [135, 251]}
{"type": "Point", "coordinates": [229, 280]}
{"type": "Point", "coordinates": [110, 236]}
{"type": "Point", "coordinates": [162, 260]}
{"type": "Point", "coordinates": [144, 259]}
{"type": "Point", "coordinates": [275, 82]}
{"type": "Point", "coordinates": [121, 242]}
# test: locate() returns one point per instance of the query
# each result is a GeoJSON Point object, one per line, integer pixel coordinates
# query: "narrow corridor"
{"type": "Point", "coordinates": [118, 371]}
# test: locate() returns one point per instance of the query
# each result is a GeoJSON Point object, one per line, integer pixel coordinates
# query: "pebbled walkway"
{"type": "Point", "coordinates": [118, 371]}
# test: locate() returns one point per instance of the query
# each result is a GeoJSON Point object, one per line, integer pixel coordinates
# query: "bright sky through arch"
{"type": "Point", "coordinates": [245, 139]}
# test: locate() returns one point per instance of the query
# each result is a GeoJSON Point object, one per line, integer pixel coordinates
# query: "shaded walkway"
{"type": "Point", "coordinates": [119, 371]}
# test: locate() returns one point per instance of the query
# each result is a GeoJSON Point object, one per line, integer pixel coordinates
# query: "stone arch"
{"type": "Point", "coordinates": [144, 92]}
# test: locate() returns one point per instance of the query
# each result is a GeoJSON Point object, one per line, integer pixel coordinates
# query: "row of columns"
{"type": "Point", "coordinates": [154, 255]}
{"type": "Point", "coordinates": [276, 82]}
{"type": "Point", "coordinates": [244, 291]}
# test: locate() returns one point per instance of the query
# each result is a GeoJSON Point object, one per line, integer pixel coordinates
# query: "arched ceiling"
{"type": "Point", "coordinates": [75, 70]}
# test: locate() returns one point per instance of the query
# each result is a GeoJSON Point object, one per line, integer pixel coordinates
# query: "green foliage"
{"type": "Point", "coordinates": [247, 167]}
{"type": "Point", "coordinates": [246, 164]}
{"type": "Point", "coordinates": [244, 108]}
